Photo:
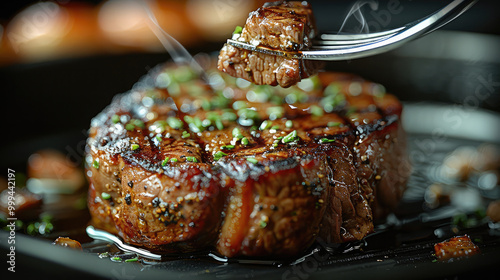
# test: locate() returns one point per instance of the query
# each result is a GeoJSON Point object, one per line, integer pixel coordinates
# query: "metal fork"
{"type": "Point", "coordinates": [348, 46]}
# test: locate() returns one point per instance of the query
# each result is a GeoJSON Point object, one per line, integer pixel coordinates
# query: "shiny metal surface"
{"type": "Point", "coordinates": [339, 47]}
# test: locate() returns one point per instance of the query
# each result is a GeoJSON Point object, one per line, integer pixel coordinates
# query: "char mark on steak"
{"type": "Point", "coordinates": [175, 166]}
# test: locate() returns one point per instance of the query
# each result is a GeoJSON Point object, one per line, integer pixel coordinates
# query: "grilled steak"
{"type": "Point", "coordinates": [175, 165]}
{"type": "Point", "coordinates": [287, 26]}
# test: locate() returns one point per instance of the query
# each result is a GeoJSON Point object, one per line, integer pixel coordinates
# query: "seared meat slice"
{"type": "Point", "coordinates": [264, 69]}
{"type": "Point", "coordinates": [275, 204]}
{"type": "Point", "coordinates": [175, 166]}
{"type": "Point", "coordinates": [287, 26]}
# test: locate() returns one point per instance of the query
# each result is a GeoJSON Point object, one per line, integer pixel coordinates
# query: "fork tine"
{"type": "Point", "coordinates": [355, 37]}
{"type": "Point", "coordinates": [343, 42]}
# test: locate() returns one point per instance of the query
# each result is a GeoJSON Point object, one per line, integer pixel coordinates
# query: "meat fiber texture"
{"type": "Point", "coordinates": [286, 26]}
{"type": "Point", "coordinates": [179, 165]}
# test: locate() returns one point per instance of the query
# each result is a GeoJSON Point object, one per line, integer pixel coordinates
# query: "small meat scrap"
{"type": "Point", "coordinates": [455, 247]}
{"type": "Point", "coordinates": [67, 242]}
{"type": "Point", "coordinates": [282, 25]}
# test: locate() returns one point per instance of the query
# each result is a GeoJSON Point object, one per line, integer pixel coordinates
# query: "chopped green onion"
{"type": "Point", "coordinates": [275, 127]}
{"type": "Point", "coordinates": [316, 111]}
{"type": "Point", "coordinates": [116, 259]}
{"type": "Point", "coordinates": [218, 124]}
{"type": "Point", "coordinates": [244, 141]}
{"type": "Point", "coordinates": [174, 160]}
{"type": "Point", "coordinates": [238, 30]}
{"type": "Point", "coordinates": [265, 125]}
{"type": "Point", "coordinates": [262, 224]}
{"type": "Point", "coordinates": [191, 159]}
{"type": "Point", "coordinates": [134, 147]}
{"type": "Point", "coordinates": [165, 161]}
{"type": "Point", "coordinates": [115, 118]}
{"type": "Point", "coordinates": [185, 134]}
{"type": "Point", "coordinates": [289, 124]}
{"type": "Point", "coordinates": [237, 133]}
{"type": "Point", "coordinates": [332, 124]}
{"type": "Point", "coordinates": [158, 137]}
{"type": "Point", "coordinates": [252, 160]}
{"type": "Point", "coordinates": [275, 112]}
{"type": "Point", "coordinates": [105, 195]}
{"type": "Point", "coordinates": [228, 147]}
{"type": "Point", "coordinates": [95, 164]}
{"type": "Point", "coordinates": [292, 136]}
{"type": "Point", "coordinates": [129, 126]}
{"type": "Point", "coordinates": [219, 155]}
{"type": "Point", "coordinates": [137, 123]}
{"type": "Point", "coordinates": [132, 260]}
{"type": "Point", "coordinates": [326, 140]}
{"type": "Point", "coordinates": [174, 123]}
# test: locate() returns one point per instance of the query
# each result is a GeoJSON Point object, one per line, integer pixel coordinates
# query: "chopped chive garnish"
{"type": "Point", "coordinates": [265, 125]}
{"type": "Point", "coordinates": [174, 123]}
{"type": "Point", "coordinates": [95, 164]}
{"type": "Point", "coordinates": [252, 160]}
{"type": "Point", "coordinates": [316, 111]}
{"type": "Point", "coordinates": [158, 137]}
{"type": "Point", "coordinates": [290, 137]}
{"type": "Point", "coordinates": [132, 260]}
{"type": "Point", "coordinates": [238, 30]}
{"type": "Point", "coordinates": [262, 224]}
{"type": "Point", "coordinates": [219, 155]}
{"type": "Point", "coordinates": [174, 160]}
{"type": "Point", "coordinates": [244, 141]}
{"type": "Point", "coordinates": [275, 112]}
{"type": "Point", "coordinates": [105, 195]}
{"type": "Point", "coordinates": [115, 118]}
{"type": "Point", "coordinates": [237, 133]}
{"type": "Point", "coordinates": [289, 124]}
{"type": "Point", "coordinates": [191, 159]}
{"type": "Point", "coordinates": [332, 124]}
{"type": "Point", "coordinates": [116, 259]}
{"type": "Point", "coordinates": [275, 127]}
{"type": "Point", "coordinates": [129, 126]}
{"type": "Point", "coordinates": [165, 161]}
{"type": "Point", "coordinates": [326, 140]}
{"type": "Point", "coordinates": [185, 134]}
{"type": "Point", "coordinates": [218, 124]}
{"type": "Point", "coordinates": [134, 147]}
{"type": "Point", "coordinates": [227, 147]}
{"type": "Point", "coordinates": [137, 123]}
